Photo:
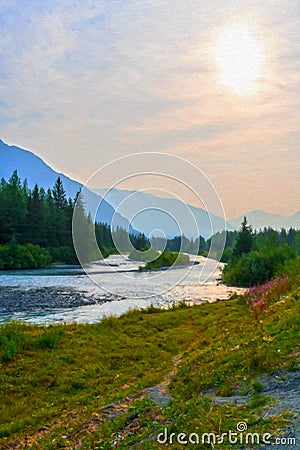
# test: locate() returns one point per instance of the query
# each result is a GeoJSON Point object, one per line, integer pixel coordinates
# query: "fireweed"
{"type": "Point", "coordinates": [261, 296]}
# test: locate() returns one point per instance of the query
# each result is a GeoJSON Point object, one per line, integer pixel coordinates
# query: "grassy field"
{"type": "Point", "coordinates": [56, 380]}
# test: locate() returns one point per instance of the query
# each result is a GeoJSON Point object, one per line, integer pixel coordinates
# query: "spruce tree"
{"type": "Point", "coordinates": [244, 239]}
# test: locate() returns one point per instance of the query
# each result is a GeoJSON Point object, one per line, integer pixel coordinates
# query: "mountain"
{"type": "Point", "coordinates": [260, 219]}
{"type": "Point", "coordinates": [36, 171]}
{"type": "Point", "coordinates": [147, 212]}
{"type": "Point", "coordinates": [159, 213]}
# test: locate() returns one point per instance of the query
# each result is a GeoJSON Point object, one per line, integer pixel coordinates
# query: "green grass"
{"type": "Point", "coordinates": [167, 259]}
{"type": "Point", "coordinates": [16, 337]}
{"type": "Point", "coordinates": [56, 378]}
{"type": "Point", "coordinates": [91, 366]}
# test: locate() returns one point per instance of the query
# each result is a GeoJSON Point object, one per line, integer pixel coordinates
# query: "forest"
{"type": "Point", "coordinates": [36, 226]}
{"type": "Point", "coordinates": [36, 230]}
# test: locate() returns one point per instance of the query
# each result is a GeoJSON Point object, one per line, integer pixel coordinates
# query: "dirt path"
{"type": "Point", "coordinates": [284, 388]}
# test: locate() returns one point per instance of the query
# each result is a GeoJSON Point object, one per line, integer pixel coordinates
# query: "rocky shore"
{"type": "Point", "coordinates": [67, 288]}
{"type": "Point", "coordinates": [13, 299]}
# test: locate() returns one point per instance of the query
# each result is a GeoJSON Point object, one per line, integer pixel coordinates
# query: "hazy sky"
{"type": "Point", "coordinates": [215, 82]}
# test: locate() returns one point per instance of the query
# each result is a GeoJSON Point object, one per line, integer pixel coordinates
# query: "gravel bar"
{"type": "Point", "coordinates": [14, 299]}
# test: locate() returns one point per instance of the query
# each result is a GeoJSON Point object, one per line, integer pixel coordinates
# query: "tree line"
{"type": "Point", "coordinates": [36, 230]}
{"type": "Point", "coordinates": [36, 226]}
{"type": "Point", "coordinates": [255, 257]}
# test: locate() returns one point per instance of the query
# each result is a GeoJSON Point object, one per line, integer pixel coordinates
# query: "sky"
{"type": "Point", "coordinates": [216, 83]}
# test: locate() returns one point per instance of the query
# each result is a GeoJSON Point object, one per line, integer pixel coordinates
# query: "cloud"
{"type": "Point", "coordinates": [84, 82]}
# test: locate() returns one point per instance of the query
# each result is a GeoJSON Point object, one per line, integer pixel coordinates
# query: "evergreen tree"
{"type": "Point", "coordinates": [291, 237]}
{"type": "Point", "coordinates": [244, 239]}
{"type": "Point", "coordinates": [83, 234]}
{"type": "Point", "coordinates": [13, 209]}
{"type": "Point", "coordinates": [140, 241]}
{"type": "Point", "coordinates": [34, 225]}
{"type": "Point", "coordinates": [3, 207]}
{"type": "Point", "coordinates": [59, 195]}
{"type": "Point", "coordinates": [50, 214]}
{"type": "Point", "coordinates": [60, 203]}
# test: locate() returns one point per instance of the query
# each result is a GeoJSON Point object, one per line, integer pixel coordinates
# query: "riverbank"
{"type": "Point", "coordinates": [27, 304]}
{"type": "Point", "coordinates": [121, 382]}
{"type": "Point", "coordinates": [67, 294]}
{"type": "Point", "coordinates": [14, 299]}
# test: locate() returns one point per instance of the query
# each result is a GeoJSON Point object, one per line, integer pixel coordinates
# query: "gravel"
{"type": "Point", "coordinates": [21, 300]}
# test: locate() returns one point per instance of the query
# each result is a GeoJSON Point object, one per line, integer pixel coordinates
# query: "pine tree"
{"type": "Point", "coordinates": [83, 233]}
{"type": "Point", "coordinates": [244, 239]}
{"type": "Point", "coordinates": [60, 203]}
{"type": "Point", "coordinates": [59, 195]}
{"type": "Point", "coordinates": [13, 208]}
{"type": "Point", "coordinates": [50, 214]}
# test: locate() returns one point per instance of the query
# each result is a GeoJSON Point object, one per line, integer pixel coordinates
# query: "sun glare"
{"type": "Point", "coordinates": [239, 57]}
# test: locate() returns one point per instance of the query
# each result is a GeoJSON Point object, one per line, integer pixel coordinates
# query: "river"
{"type": "Point", "coordinates": [110, 287]}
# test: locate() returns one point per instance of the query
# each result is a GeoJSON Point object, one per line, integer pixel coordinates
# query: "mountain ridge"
{"type": "Point", "coordinates": [260, 219]}
{"type": "Point", "coordinates": [36, 171]}
{"type": "Point", "coordinates": [170, 215]}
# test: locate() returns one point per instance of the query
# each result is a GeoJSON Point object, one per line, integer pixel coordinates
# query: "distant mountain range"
{"type": "Point", "coordinates": [155, 219]}
{"type": "Point", "coordinates": [145, 212]}
{"type": "Point", "coordinates": [260, 219]}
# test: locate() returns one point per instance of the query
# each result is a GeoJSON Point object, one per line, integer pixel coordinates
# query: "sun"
{"type": "Point", "coordinates": [239, 57]}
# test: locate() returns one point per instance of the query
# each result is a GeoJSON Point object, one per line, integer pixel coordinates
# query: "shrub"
{"type": "Point", "coordinates": [49, 339]}
{"type": "Point", "coordinates": [291, 268]}
{"type": "Point", "coordinates": [257, 266]}
{"type": "Point", "coordinates": [16, 337]}
{"type": "Point", "coordinates": [167, 259]}
{"type": "Point", "coordinates": [12, 339]}
{"type": "Point", "coordinates": [28, 256]}
{"type": "Point", "coordinates": [261, 296]}
{"type": "Point", "coordinates": [8, 349]}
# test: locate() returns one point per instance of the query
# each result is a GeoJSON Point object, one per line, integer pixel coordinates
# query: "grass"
{"type": "Point", "coordinates": [16, 337]}
{"type": "Point", "coordinates": [167, 259]}
{"type": "Point", "coordinates": [54, 379]}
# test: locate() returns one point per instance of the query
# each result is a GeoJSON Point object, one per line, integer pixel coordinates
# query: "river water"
{"type": "Point", "coordinates": [110, 287]}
